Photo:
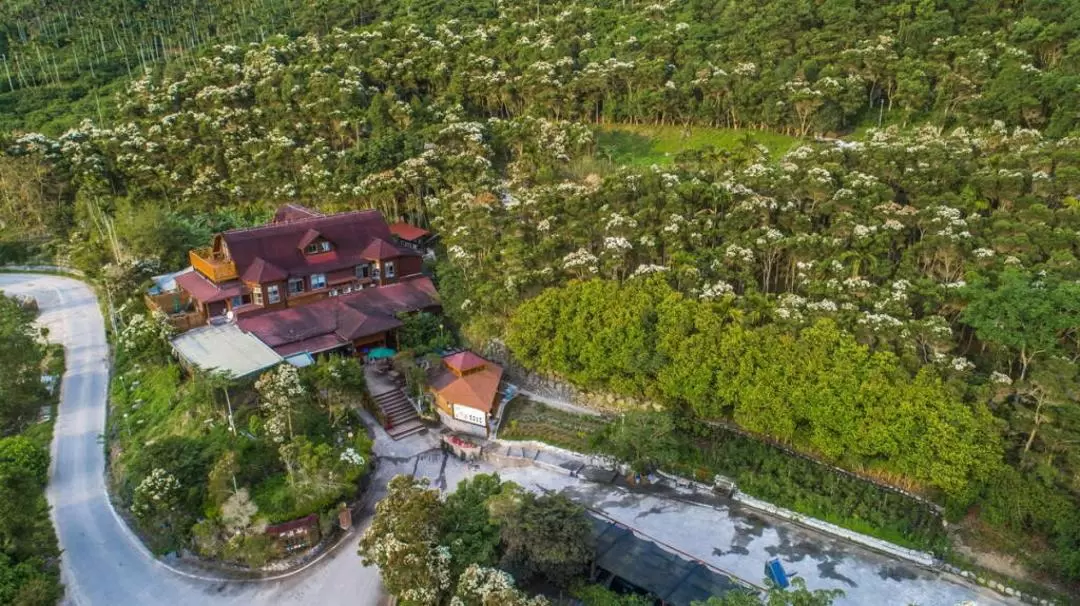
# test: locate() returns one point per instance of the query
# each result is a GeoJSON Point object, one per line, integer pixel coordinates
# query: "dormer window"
{"type": "Point", "coordinates": [313, 243]}
{"type": "Point", "coordinates": [317, 247]}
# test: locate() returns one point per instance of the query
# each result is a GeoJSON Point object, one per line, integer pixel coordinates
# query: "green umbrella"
{"type": "Point", "coordinates": [380, 352]}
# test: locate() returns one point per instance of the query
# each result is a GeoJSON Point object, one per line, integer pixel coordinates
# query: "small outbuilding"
{"type": "Point", "coordinates": [466, 388]}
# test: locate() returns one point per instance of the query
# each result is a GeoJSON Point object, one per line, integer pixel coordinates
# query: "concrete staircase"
{"type": "Point", "coordinates": [400, 417]}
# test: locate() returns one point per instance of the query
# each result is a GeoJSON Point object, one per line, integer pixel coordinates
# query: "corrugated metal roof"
{"type": "Point", "coordinates": [225, 348]}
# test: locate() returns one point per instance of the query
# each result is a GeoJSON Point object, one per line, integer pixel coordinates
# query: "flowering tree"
{"type": "Point", "coordinates": [403, 542]}
{"type": "Point", "coordinates": [280, 389]}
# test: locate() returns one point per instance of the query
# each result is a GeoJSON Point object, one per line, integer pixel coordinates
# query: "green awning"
{"type": "Point", "coordinates": [381, 352]}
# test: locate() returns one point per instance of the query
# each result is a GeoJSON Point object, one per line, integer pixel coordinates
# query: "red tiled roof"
{"type": "Point", "coordinates": [380, 249]}
{"type": "Point", "coordinates": [263, 271]}
{"type": "Point", "coordinates": [349, 234]}
{"type": "Point", "coordinates": [475, 390]}
{"type": "Point", "coordinates": [294, 212]}
{"type": "Point", "coordinates": [349, 317]}
{"type": "Point", "coordinates": [464, 361]}
{"type": "Point", "coordinates": [206, 291]}
{"type": "Point", "coordinates": [408, 232]}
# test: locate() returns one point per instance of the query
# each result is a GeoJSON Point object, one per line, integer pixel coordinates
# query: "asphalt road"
{"type": "Point", "coordinates": [102, 562]}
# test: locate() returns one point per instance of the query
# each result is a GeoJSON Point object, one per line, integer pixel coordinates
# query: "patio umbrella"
{"type": "Point", "coordinates": [380, 352]}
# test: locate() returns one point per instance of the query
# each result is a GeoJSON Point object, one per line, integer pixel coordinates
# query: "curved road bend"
{"type": "Point", "coordinates": [103, 563]}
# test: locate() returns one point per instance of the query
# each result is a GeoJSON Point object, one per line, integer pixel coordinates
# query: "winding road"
{"type": "Point", "coordinates": [103, 563]}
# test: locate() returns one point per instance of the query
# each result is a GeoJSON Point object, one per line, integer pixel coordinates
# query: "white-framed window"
{"type": "Point", "coordinates": [389, 269]}
{"type": "Point", "coordinates": [363, 271]}
{"type": "Point", "coordinates": [324, 246]}
{"type": "Point", "coordinates": [318, 281]}
{"type": "Point", "coordinates": [256, 296]}
{"type": "Point", "coordinates": [333, 292]}
{"type": "Point", "coordinates": [296, 285]}
{"type": "Point", "coordinates": [273, 293]}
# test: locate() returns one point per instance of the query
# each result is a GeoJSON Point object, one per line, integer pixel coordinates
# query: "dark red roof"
{"type": "Point", "coordinates": [349, 234]}
{"type": "Point", "coordinates": [313, 345]}
{"type": "Point", "coordinates": [293, 212]}
{"type": "Point", "coordinates": [464, 361]}
{"type": "Point", "coordinates": [206, 291]}
{"type": "Point", "coordinates": [284, 527]}
{"type": "Point", "coordinates": [409, 232]}
{"type": "Point", "coordinates": [347, 317]}
{"type": "Point", "coordinates": [263, 271]}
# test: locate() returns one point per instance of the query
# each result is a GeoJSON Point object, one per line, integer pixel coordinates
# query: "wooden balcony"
{"type": "Point", "coordinates": [214, 266]}
{"type": "Point", "coordinates": [178, 308]}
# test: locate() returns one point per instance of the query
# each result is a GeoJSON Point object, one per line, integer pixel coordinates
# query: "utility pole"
{"type": "Point", "coordinates": [228, 405]}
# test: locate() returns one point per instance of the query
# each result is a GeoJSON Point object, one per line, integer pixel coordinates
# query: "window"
{"type": "Point", "coordinates": [333, 292]}
{"type": "Point", "coordinates": [256, 296]}
{"type": "Point", "coordinates": [311, 248]}
{"type": "Point", "coordinates": [318, 281]}
{"type": "Point", "coordinates": [296, 285]}
{"type": "Point", "coordinates": [363, 271]}
{"type": "Point", "coordinates": [389, 269]}
{"type": "Point", "coordinates": [324, 246]}
{"type": "Point", "coordinates": [273, 293]}
{"type": "Point", "coordinates": [237, 301]}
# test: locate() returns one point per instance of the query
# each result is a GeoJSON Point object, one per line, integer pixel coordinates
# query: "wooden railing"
{"type": "Point", "coordinates": [212, 265]}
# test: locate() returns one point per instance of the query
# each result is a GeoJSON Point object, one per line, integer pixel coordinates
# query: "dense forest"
{"type": "Point", "coordinates": [901, 301]}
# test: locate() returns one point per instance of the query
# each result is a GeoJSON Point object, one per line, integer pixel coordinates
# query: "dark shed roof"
{"type": "Point", "coordinates": [649, 566]}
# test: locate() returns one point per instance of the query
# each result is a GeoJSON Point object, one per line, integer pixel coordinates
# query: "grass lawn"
{"type": "Point", "coordinates": [645, 145]}
{"type": "Point", "coordinates": [529, 420]}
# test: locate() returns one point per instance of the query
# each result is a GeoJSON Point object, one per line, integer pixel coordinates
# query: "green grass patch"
{"type": "Point", "coordinates": [529, 420]}
{"type": "Point", "coordinates": [645, 145]}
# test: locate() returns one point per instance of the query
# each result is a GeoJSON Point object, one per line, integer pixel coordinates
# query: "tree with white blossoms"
{"type": "Point", "coordinates": [238, 512]}
{"type": "Point", "coordinates": [279, 389]}
{"type": "Point", "coordinates": [157, 494]}
{"type": "Point", "coordinates": [481, 586]}
{"type": "Point", "coordinates": [403, 542]}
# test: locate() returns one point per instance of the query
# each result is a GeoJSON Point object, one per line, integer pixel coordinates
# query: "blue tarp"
{"type": "Point", "coordinates": [775, 571]}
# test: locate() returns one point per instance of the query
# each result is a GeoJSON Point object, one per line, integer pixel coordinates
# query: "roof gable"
{"type": "Point", "coordinates": [380, 249]}
{"type": "Point", "coordinates": [263, 271]}
{"type": "Point", "coordinates": [464, 361]}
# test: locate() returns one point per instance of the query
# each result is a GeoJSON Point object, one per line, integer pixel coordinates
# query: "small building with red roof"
{"type": "Point", "coordinates": [466, 389]}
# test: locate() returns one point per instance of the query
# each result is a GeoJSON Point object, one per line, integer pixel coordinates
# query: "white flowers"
{"type": "Point", "coordinates": [961, 364]}
{"type": "Point", "coordinates": [1000, 378]}
{"type": "Point", "coordinates": [617, 244]}
{"type": "Point", "coordinates": [716, 290]}
{"type": "Point", "coordinates": [643, 270]}
{"type": "Point", "coordinates": [983, 253]}
{"type": "Point", "coordinates": [350, 456]}
{"type": "Point", "coordinates": [581, 259]}
{"type": "Point", "coordinates": [738, 253]}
